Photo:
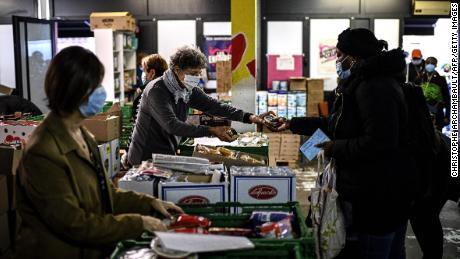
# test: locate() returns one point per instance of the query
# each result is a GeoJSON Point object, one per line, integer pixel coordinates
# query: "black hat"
{"type": "Point", "coordinates": [360, 43]}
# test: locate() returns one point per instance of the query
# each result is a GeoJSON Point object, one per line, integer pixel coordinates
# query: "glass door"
{"type": "Point", "coordinates": [35, 42]}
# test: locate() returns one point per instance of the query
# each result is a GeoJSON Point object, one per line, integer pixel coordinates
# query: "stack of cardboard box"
{"type": "Point", "coordinates": [315, 96]}
{"type": "Point", "coordinates": [10, 156]}
{"type": "Point", "coordinates": [106, 128]}
{"type": "Point", "coordinates": [224, 76]}
{"type": "Point", "coordinates": [283, 148]}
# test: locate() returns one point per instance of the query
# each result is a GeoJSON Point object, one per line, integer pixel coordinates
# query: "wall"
{"type": "Point", "coordinates": [9, 8]}
{"type": "Point", "coordinates": [143, 9]}
{"type": "Point", "coordinates": [7, 75]}
{"type": "Point", "coordinates": [147, 14]}
{"type": "Point", "coordinates": [360, 12]}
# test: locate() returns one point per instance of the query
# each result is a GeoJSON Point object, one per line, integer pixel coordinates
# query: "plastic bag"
{"type": "Point", "coordinates": [328, 221]}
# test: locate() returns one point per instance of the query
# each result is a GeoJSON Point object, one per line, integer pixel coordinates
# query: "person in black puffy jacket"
{"type": "Point", "coordinates": [369, 141]}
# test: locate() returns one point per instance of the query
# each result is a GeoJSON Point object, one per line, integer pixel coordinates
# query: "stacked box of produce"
{"type": "Point", "coordinates": [251, 142]}
{"type": "Point", "coordinates": [228, 157]}
{"type": "Point", "coordinates": [185, 180]}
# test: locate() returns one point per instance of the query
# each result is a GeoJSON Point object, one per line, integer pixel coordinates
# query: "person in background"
{"type": "Point", "coordinates": [368, 131]}
{"type": "Point", "coordinates": [436, 92]}
{"type": "Point", "coordinates": [164, 109]}
{"type": "Point", "coordinates": [139, 69]}
{"type": "Point", "coordinates": [69, 208]}
{"type": "Point", "coordinates": [153, 66]}
{"type": "Point", "coordinates": [416, 67]}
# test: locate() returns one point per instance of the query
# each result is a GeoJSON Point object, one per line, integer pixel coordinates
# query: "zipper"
{"type": "Point", "coordinates": [338, 117]}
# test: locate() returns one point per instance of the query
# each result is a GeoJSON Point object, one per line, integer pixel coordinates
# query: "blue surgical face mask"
{"type": "Point", "coordinates": [430, 68]}
{"type": "Point", "coordinates": [144, 78]}
{"type": "Point", "coordinates": [95, 102]}
{"type": "Point", "coordinates": [343, 74]}
{"type": "Point", "coordinates": [416, 62]}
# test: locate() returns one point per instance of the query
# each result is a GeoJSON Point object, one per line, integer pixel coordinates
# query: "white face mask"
{"type": "Point", "coordinates": [191, 81]}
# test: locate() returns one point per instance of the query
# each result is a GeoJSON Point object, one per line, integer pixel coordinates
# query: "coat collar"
{"type": "Point", "coordinates": [64, 140]}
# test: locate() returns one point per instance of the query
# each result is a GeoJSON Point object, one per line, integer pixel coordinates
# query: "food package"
{"type": "Point", "coordinates": [252, 139]}
{"type": "Point", "coordinates": [259, 218]}
{"type": "Point", "coordinates": [188, 221]}
{"type": "Point", "coordinates": [227, 156]}
{"type": "Point", "coordinates": [182, 163]}
{"type": "Point", "coordinates": [279, 230]}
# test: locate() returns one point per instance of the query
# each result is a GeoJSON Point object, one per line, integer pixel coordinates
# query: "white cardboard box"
{"type": "Point", "coordinates": [104, 150]}
{"type": "Point", "coordinates": [115, 157]}
{"type": "Point", "coordinates": [110, 156]}
{"type": "Point", "coordinates": [12, 132]}
{"type": "Point", "coordinates": [137, 186]}
{"type": "Point", "coordinates": [262, 188]}
{"type": "Point", "coordinates": [193, 193]}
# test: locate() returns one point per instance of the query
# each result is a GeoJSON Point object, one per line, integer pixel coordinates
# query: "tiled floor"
{"type": "Point", "coordinates": [450, 218]}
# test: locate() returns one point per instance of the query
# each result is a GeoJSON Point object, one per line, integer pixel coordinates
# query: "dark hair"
{"type": "Point", "coordinates": [187, 57]}
{"type": "Point", "coordinates": [155, 61]}
{"type": "Point", "coordinates": [431, 60]}
{"type": "Point", "coordinates": [72, 76]}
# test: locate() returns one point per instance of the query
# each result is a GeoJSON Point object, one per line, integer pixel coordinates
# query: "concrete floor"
{"type": "Point", "coordinates": [450, 218]}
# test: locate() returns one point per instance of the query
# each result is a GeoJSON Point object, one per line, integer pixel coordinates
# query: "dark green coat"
{"type": "Point", "coordinates": [60, 200]}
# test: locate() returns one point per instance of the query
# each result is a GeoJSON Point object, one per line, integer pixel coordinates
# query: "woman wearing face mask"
{"type": "Point", "coordinates": [153, 66]}
{"type": "Point", "coordinates": [69, 208]}
{"type": "Point", "coordinates": [367, 127]}
{"type": "Point", "coordinates": [436, 92]}
{"type": "Point", "coordinates": [164, 107]}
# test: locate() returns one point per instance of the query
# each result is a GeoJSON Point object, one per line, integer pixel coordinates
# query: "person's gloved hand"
{"type": "Point", "coordinates": [152, 224]}
{"type": "Point", "coordinates": [327, 147]}
{"type": "Point", "coordinates": [224, 133]}
{"type": "Point", "coordinates": [166, 208]}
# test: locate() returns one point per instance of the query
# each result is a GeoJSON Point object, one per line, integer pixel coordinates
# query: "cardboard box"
{"type": "Point", "coordinates": [224, 76]}
{"type": "Point", "coordinates": [115, 157]}
{"type": "Point", "coordinates": [122, 21]}
{"type": "Point", "coordinates": [290, 138]}
{"type": "Point", "coordinates": [10, 157]}
{"type": "Point", "coordinates": [104, 127]}
{"type": "Point", "coordinates": [315, 96]}
{"type": "Point", "coordinates": [232, 161]}
{"type": "Point", "coordinates": [110, 156]}
{"type": "Point", "coordinates": [195, 191]}
{"type": "Point", "coordinates": [6, 90]}
{"type": "Point", "coordinates": [5, 241]}
{"type": "Point", "coordinates": [297, 84]}
{"type": "Point", "coordinates": [262, 189]}
{"type": "Point", "coordinates": [312, 110]}
{"type": "Point", "coordinates": [16, 132]}
{"type": "Point", "coordinates": [146, 187]}
{"type": "Point", "coordinates": [4, 197]}
{"type": "Point", "coordinates": [105, 152]}
{"type": "Point", "coordinates": [115, 110]}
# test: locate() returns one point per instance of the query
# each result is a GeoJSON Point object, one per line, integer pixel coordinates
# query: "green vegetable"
{"type": "Point", "coordinates": [432, 92]}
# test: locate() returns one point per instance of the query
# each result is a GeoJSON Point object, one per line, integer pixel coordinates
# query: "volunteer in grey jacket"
{"type": "Point", "coordinates": [164, 107]}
